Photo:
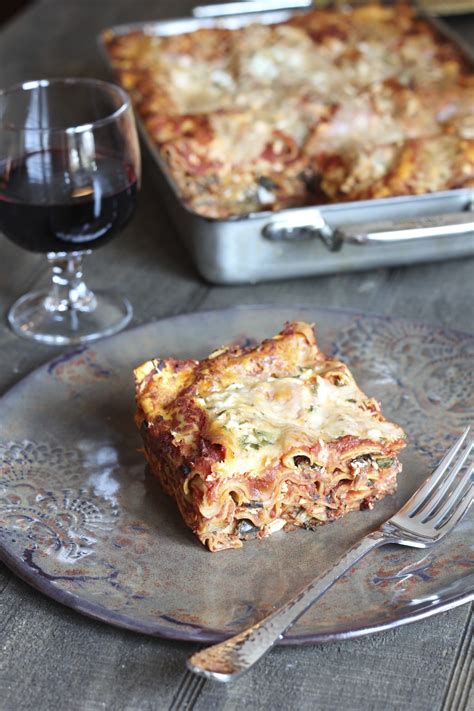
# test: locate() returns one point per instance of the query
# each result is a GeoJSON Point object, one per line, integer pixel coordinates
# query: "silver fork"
{"type": "Point", "coordinates": [429, 515]}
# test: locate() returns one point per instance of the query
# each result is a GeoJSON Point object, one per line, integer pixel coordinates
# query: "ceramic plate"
{"type": "Point", "coordinates": [81, 521]}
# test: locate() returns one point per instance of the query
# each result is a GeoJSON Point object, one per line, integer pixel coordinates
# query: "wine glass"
{"type": "Point", "coordinates": [69, 176]}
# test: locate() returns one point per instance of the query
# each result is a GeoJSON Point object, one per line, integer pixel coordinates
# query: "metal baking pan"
{"type": "Point", "coordinates": [303, 241]}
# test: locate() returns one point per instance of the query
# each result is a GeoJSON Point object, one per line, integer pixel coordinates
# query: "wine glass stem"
{"type": "Point", "coordinates": [69, 291]}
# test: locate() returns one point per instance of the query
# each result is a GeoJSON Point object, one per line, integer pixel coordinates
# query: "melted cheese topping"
{"type": "Point", "coordinates": [280, 54]}
{"type": "Point", "coordinates": [238, 137]}
{"type": "Point", "coordinates": [197, 86]}
{"type": "Point", "coordinates": [262, 420]}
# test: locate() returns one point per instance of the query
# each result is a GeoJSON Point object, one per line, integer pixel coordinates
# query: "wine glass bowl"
{"type": "Point", "coordinates": [69, 177]}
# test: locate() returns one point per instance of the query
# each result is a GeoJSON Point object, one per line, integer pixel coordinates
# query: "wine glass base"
{"type": "Point", "coordinates": [30, 318]}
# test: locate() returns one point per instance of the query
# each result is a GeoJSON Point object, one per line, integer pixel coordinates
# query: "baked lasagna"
{"type": "Point", "coordinates": [328, 105]}
{"type": "Point", "coordinates": [260, 438]}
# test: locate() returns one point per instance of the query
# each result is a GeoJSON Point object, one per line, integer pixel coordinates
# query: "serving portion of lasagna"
{"type": "Point", "coordinates": [260, 117]}
{"type": "Point", "coordinates": [255, 439]}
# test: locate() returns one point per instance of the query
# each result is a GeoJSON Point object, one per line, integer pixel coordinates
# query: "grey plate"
{"type": "Point", "coordinates": [81, 521]}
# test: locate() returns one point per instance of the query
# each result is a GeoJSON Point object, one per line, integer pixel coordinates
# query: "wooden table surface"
{"type": "Point", "coordinates": [53, 658]}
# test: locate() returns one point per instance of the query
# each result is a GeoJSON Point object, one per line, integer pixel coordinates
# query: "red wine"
{"type": "Point", "coordinates": [48, 204]}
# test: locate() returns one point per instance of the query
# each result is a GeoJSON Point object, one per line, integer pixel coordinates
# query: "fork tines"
{"type": "Point", "coordinates": [447, 494]}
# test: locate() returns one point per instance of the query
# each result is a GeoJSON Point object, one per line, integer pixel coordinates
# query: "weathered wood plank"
{"type": "Point", "coordinates": [460, 693]}
{"type": "Point", "coordinates": [440, 294]}
{"type": "Point", "coordinates": [5, 577]}
{"type": "Point", "coordinates": [53, 658]}
{"type": "Point", "coordinates": [406, 668]}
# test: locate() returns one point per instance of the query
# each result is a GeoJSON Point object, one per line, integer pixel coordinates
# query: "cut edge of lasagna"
{"type": "Point", "coordinates": [256, 439]}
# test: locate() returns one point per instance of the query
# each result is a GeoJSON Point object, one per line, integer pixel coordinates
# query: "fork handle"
{"type": "Point", "coordinates": [229, 659]}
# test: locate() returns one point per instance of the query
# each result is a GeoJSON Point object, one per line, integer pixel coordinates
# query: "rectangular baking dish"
{"type": "Point", "coordinates": [304, 241]}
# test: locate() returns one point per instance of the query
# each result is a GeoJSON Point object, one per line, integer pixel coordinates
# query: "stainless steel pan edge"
{"type": "Point", "coordinates": [238, 250]}
{"type": "Point", "coordinates": [237, 253]}
{"type": "Point", "coordinates": [241, 8]}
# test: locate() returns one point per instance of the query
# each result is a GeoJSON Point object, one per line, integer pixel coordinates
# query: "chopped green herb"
{"type": "Point", "coordinates": [260, 436]}
{"type": "Point", "coordinates": [263, 437]}
{"type": "Point", "coordinates": [385, 463]}
{"type": "Point", "coordinates": [351, 399]}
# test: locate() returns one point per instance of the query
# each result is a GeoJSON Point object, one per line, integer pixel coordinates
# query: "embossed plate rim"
{"type": "Point", "coordinates": [181, 631]}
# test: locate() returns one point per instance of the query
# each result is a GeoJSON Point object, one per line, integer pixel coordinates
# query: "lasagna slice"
{"type": "Point", "coordinates": [254, 439]}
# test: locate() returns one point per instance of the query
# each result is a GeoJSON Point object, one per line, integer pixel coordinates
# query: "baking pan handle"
{"type": "Point", "coordinates": [373, 233]}
{"type": "Point", "coordinates": [242, 8]}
